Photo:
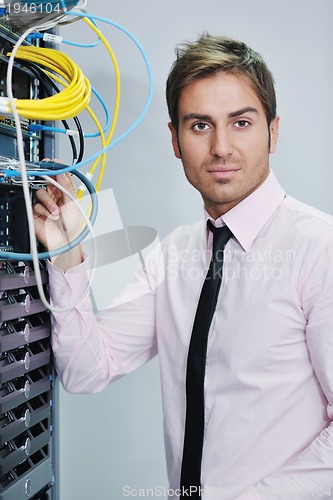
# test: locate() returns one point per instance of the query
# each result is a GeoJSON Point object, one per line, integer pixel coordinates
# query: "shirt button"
{"type": "Point", "coordinates": [62, 291]}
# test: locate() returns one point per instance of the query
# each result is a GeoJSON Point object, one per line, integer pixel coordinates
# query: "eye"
{"type": "Point", "coordinates": [242, 124]}
{"type": "Point", "coordinates": [199, 126]}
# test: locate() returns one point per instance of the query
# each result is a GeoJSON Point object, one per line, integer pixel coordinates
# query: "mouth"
{"type": "Point", "coordinates": [224, 172]}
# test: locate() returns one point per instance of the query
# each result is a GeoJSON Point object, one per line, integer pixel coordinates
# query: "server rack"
{"type": "Point", "coordinates": [27, 388]}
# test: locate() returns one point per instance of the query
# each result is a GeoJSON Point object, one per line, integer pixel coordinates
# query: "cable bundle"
{"type": "Point", "coordinates": [66, 104]}
{"type": "Point", "coordinates": [63, 70]}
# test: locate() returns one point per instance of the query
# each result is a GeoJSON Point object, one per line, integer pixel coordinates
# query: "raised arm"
{"type": "Point", "coordinates": [90, 349]}
{"type": "Point", "coordinates": [58, 221]}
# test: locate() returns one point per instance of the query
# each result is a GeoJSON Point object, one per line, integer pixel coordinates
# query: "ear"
{"type": "Point", "coordinates": [274, 130]}
{"type": "Point", "coordinates": [174, 139]}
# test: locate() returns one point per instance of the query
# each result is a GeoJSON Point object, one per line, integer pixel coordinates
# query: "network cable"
{"type": "Point", "coordinates": [48, 85]}
{"type": "Point", "coordinates": [141, 116]}
{"type": "Point", "coordinates": [84, 135]}
{"type": "Point", "coordinates": [102, 158]}
{"type": "Point", "coordinates": [67, 103]}
{"type": "Point", "coordinates": [85, 231]}
{"type": "Point", "coordinates": [64, 67]}
{"type": "Point", "coordinates": [71, 168]}
{"type": "Point", "coordinates": [26, 192]}
{"type": "Point", "coordinates": [106, 146]}
{"type": "Point", "coordinates": [45, 80]}
{"type": "Point", "coordinates": [146, 106]}
{"type": "Point", "coordinates": [107, 114]}
{"type": "Point", "coordinates": [52, 38]}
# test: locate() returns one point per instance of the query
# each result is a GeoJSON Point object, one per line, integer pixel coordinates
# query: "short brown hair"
{"type": "Point", "coordinates": [212, 54]}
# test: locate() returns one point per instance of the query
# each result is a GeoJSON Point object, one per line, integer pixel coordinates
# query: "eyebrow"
{"type": "Point", "coordinates": [233, 114]}
{"type": "Point", "coordinates": [195, 116]}
{"type": "Point", "coordinates": [242, 111]}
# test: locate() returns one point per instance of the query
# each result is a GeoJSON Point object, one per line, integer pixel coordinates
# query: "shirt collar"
{"type": "Point", "coordinates": [249, 216]}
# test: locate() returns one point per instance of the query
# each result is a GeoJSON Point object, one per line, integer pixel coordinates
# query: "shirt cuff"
{"type": "Point", "coordinates": [66, 287]}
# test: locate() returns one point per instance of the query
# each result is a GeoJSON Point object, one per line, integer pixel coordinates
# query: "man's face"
{"type": "Point", "coordinates": [223, 140]}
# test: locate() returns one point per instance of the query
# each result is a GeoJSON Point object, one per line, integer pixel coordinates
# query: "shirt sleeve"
{"type": "Point", "coordinates": [310, 474]}
{"type": "Point", "coordinates": [93, 349]}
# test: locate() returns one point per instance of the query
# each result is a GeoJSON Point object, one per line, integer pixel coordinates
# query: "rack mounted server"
{"type": "Point", "coordinates": [27, 403]}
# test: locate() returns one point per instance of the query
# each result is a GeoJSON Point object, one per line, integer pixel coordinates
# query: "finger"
{"type": "Point", "coordinates": [53, 192]}
{"type": "Point", "coordinates": [41, 212]}
{"type": "Point", "coordinates": [66, 181]}
{"type": "Point", "coordinates": [47, 202]}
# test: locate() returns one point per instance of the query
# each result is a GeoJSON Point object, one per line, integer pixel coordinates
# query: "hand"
{"type": "Point", "coordinates": [58, 221]}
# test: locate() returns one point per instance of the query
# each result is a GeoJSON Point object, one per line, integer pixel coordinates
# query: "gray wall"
{"type": "Point", "coordinates": [114, 439]}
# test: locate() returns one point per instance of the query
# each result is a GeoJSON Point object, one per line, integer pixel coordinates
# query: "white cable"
{"type": "Point", "coordinates": [25, 183]}
{"type": "Point", "coordinates": [62, 19]}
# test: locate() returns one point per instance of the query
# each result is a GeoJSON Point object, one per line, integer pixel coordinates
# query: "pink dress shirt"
{"type": "Point", "coordinates": [269, 372]}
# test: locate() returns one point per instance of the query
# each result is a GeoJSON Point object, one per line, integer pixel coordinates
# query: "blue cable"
{"type": "Point", "coordinates": [107, 114]}
{"type": "Point", "coordinates": [10, 173]}
{"type": "Point", "coordinates": [82, 45]}
{"type": "Point", "coordinates": [79, 238]}
{"type": "Point", "coordinates": [36, 126]}
{"type": "Point", "coordinates": [60, 169]}
{"type": "Point", "coordinates": [34, 36]}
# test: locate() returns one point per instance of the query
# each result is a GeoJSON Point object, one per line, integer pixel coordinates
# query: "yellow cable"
{"type": "Point", "coordinates": [98, 126]}
{"type": "Point", "coordinates": [76, 94]}
{"type": "Point", "coordinates": [117, 76]}
{"type": "Point", "coordinates": [117, 102]}
{"type": "Point", "coordinates": [101, 157]}
{"type": "Point", "coordinates": [66, 104]}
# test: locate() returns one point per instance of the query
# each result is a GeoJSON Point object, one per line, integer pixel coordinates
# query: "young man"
{"type": "Point", "coordinates": [267, 395]}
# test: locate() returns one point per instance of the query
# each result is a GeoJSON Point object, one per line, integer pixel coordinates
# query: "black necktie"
{"type": "Point", "coordinates": [196, 362]}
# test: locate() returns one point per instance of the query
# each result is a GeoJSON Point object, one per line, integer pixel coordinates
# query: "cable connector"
{"type": "Point", "coordinates": [34, 36]}
{"type": "Point", "coordinates": [34, 127]}
{"type": "Point", "coordinates": [73, 133]}
{"type": "Point", "coordinates": [49, 37]}
{"type": "Point", "coordinates": [4, 106]}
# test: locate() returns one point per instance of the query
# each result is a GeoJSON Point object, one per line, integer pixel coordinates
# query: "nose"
{"type": "Point", "coordinates": [221, 142]}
